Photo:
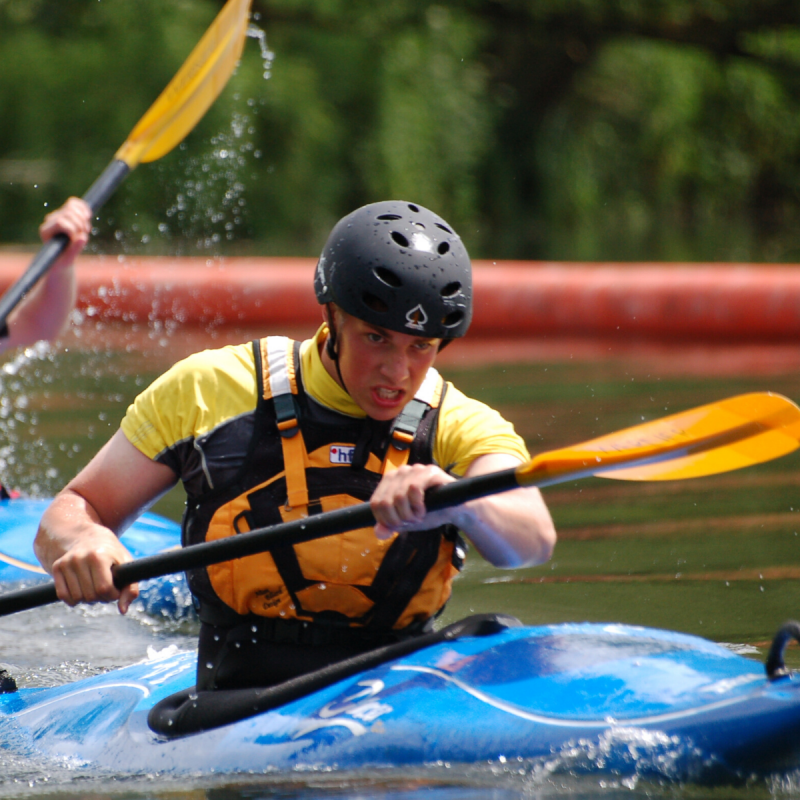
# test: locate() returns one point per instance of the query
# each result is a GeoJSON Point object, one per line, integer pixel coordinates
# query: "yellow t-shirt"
{"type": "Point", "coordinates": [213, 387]}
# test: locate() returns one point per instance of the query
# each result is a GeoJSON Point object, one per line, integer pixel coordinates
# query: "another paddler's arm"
{"type": "Point", "coordinates": [44, 312]}
{"type": "Point", "coordinates": [77, 539]}
{"type": "Point", "coordinates": [512, 529]}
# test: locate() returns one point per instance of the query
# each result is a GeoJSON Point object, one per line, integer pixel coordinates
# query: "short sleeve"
{"type": "Point", "coordinates": [195, 395]}
{"type": "Point", "coordinates": [468, 429]}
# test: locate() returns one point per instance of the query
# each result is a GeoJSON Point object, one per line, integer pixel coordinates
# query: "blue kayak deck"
{"type": "Point", "coordinates": [597, 698]}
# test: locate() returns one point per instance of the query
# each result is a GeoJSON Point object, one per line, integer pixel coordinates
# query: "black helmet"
{"type": "Point", "coordinates": [400, 267]}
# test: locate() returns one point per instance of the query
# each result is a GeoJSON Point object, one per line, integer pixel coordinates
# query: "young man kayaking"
{"type": "Point", "coordinates": [275, 430]}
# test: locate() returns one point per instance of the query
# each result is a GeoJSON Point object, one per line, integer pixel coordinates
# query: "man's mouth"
{"type": "Point", "coordinates": [388, 395]}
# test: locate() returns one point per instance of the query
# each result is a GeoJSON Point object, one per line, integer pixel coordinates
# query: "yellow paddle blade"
{"type": "Point", "coordinates": [718, 437]}
{"type": "Point", "coordinates": [196, 85]}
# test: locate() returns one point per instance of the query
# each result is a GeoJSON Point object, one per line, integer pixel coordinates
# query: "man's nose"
{"type": "Point", "coordinates": [395, 367]}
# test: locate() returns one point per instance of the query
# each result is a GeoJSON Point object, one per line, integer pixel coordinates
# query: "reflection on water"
{"type": "Point", "coordinates": [716, 556]}
{"type": "Point", "coordinates": [435, 782]}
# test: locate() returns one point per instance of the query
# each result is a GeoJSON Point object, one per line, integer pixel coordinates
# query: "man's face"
{"type": "Point", "coordinates": [382, 370]}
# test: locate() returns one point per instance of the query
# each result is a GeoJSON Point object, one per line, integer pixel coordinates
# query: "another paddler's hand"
{"type": "Point", "coordinates": [83, 574]}
{"type": "Point", "coordinates": [74, 219]}
{"type": "Point", "coordinates": [399, 501]}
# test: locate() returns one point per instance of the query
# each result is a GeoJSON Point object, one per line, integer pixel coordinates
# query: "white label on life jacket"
{"type": "Point", "coordinates": [341, 454]}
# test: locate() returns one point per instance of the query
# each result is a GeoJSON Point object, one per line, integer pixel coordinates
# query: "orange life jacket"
{"type": "Point", "coordinates": [306, 459]}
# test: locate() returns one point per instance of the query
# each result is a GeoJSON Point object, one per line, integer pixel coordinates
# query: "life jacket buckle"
{"type": "Point", "coordinates": [402, 440]}
{"type": "Point", "coordinates": [288, 428]}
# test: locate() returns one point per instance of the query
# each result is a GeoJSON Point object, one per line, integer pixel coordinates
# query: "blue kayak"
{"type": "Point", "coordinates": [594, 698]}
{"type": "Point", "coordinates": [148, 535]}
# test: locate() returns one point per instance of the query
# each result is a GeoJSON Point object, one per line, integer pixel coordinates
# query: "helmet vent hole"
{"type": "Point", "coordinates": [400, 239]}
{"type": "Point", "coordinates": [444, 228]}
{"type": "Point", "coordinates": [389, 216]}
{"type": "Point", "coordinates": [443, 248]}
{"type": "Point", "coordinates": [451, 290]}
{"type": "Point", "coordinates": [453, 319]}
{"type": "Point", "coordinates": [414, 208]}
{"type": "Point", "coordinates": [388, 277]}
{"type": "Point", "coordinates": [374, 303]}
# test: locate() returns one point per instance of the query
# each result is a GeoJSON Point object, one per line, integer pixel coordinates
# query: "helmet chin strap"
{"type": "Point", "coordinates": [331, 346]}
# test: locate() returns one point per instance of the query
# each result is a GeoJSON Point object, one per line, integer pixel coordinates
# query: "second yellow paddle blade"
{"type": "Point", "coordinates": [731, 434]}
{"type": "Point", "coordinates": [193, 89]}
{"type": "Point", "coordinates": [718, 437]}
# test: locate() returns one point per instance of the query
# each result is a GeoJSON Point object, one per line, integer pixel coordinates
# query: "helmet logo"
{"type": "Point", "coordinates": [416, 319]}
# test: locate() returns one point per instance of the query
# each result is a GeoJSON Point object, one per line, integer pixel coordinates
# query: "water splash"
{"type": "Point", "coordinates": [267, 56]}
{"type": "Point", "coordinates": [209, 207]}
{"type": "Point", "coordinates": [59, 403]}
{"type": "Point", "coordinates": [25, 459]}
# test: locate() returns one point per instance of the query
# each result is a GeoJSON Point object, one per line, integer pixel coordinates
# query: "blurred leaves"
{"type": "Point", "coordinates": [558, 129]}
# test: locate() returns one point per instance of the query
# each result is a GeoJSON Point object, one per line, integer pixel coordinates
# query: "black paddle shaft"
{"type": "Point", "coordinates": [317, 526]}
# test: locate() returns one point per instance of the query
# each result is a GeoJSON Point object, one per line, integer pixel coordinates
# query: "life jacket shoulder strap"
{"type": "Point", "coordinates": [279, 359]}
{"type": "Point", "coordinates": [279, 356]}
{"type": "Point", "coordinates": [406, 425]}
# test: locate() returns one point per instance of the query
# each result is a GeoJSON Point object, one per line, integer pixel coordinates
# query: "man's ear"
{"type": "Point", "coordinates": [331, 345]}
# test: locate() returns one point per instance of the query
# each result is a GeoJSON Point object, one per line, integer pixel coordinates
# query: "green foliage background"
{"type": "Point", "coordinates": [541, 129]}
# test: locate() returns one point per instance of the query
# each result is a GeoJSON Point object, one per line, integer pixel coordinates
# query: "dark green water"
{"type": "Point", "coordinates": [717, 556]}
